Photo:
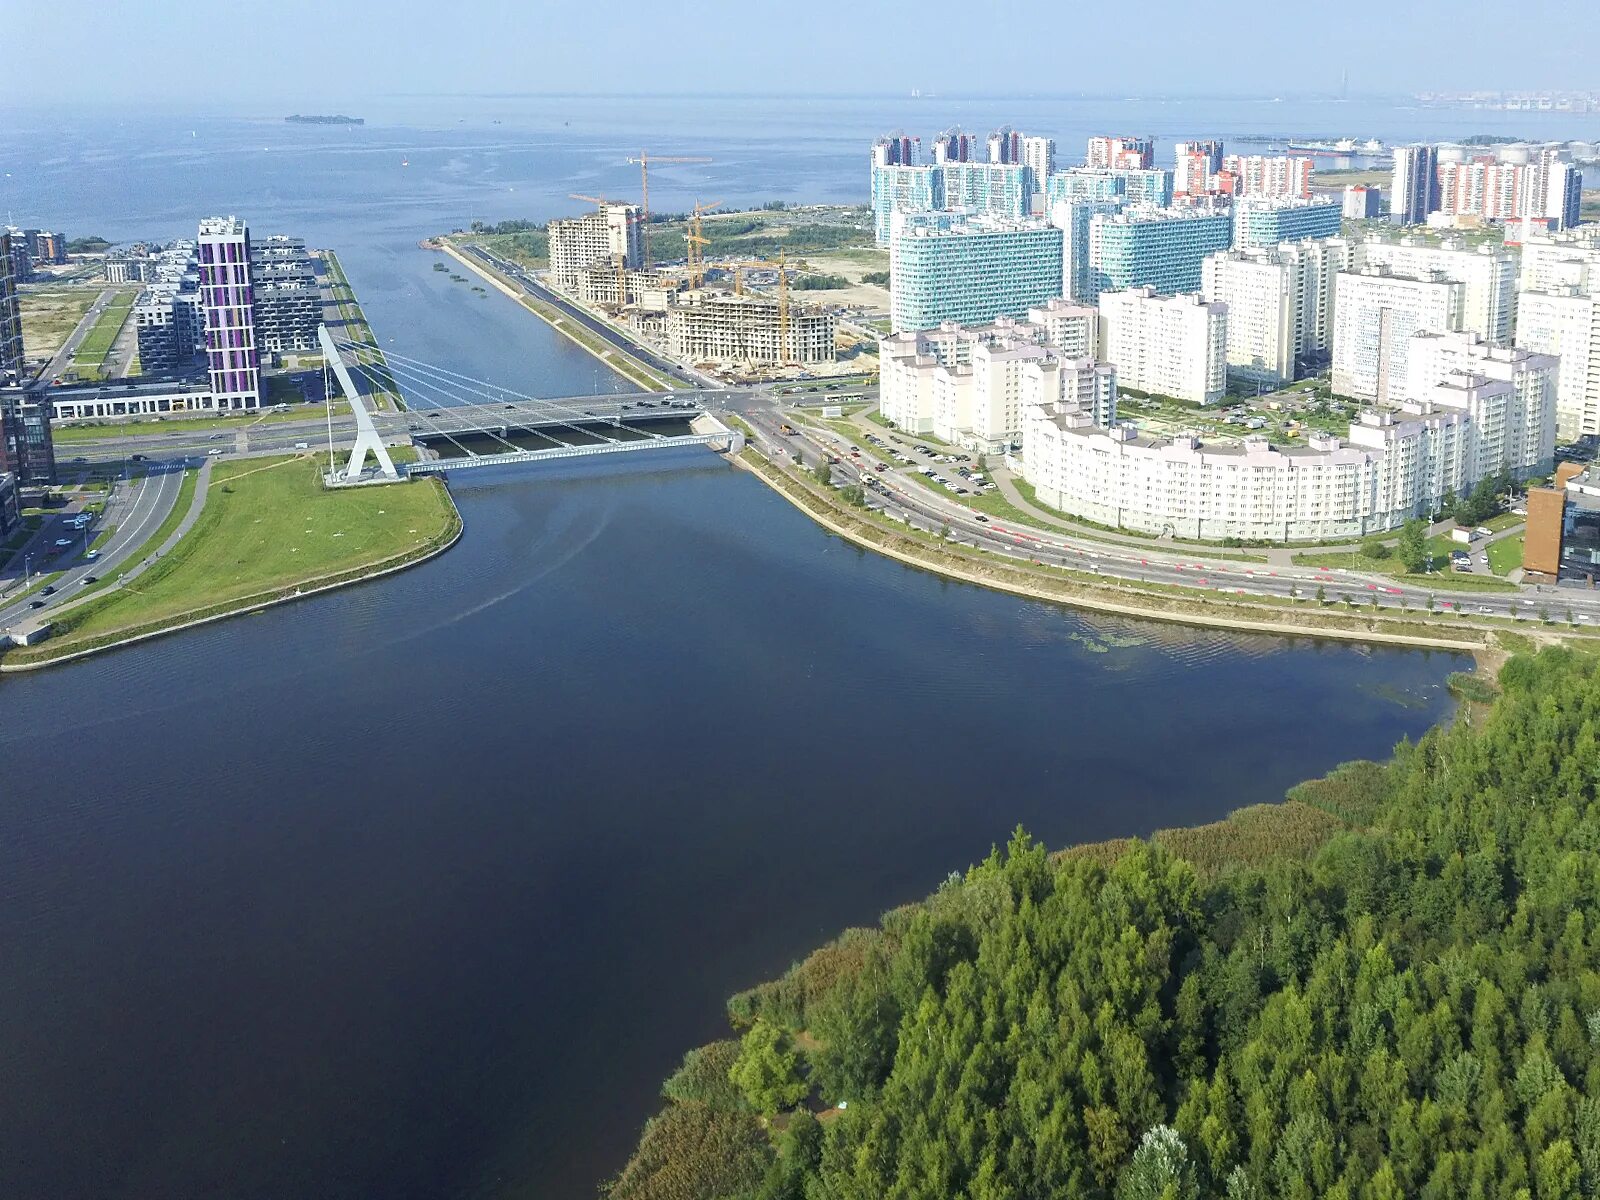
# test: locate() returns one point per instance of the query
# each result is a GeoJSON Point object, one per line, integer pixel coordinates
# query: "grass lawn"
{"type": "Point", "coordinates": [1503, 522]}
{"type": "Point", "coordinates": [1505, 556]}
{"type": "Point", "coordinates": [268, 527]}
{"type": "Point", "coordinates": [92, 351]}
{"type": "Point", "coordinates": [111, 430]}
{"type": "Point", "coordinates": [49, 315]}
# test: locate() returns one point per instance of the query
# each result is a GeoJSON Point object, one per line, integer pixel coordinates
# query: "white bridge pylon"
{"type": "Point", "coordinates": [367, 439]}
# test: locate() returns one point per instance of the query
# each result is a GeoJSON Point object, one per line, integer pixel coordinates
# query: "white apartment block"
{"type": "Point", "coordinates": [1375, 314]}
{"type": "Point", "coordinates": [1039, 156]}
{"type": "Point", "coordinates": [1265, 175]}
{"type": "Point", "coordinates": [926, 377]}
{"type": "Point", "coordinates": [1561, 260]}
{"type": "Point", "coordinates": [1173, 346]}
{"type": "Point", "coordinates": [1465, 359]}
{"type": "Point", "coordinates": [1070, 387]}
{"type": "Point", "coordinates": [1565, 322]}
{"type": "Point", "coordinates": [1280, 304]}
{"type": "Point", "coordinates": [1488, 275]}
{"type": "Point", "coordinates": [1394, 466]}
{"type": "Point", "coordinates": [601, 236]}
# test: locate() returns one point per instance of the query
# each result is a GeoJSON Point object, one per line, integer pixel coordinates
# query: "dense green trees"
{"type": "Point", "coordinates": [1409, 1007]}
{"type": "Point", "coordinates": [1413, 545]}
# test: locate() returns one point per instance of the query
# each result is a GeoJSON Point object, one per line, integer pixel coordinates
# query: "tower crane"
{"type": "Point", "coordinates": [644, 160]}
{"type": "Point", "coordinates": [697, 241]}
{"type": "Point", "coordinates": [781, 265]}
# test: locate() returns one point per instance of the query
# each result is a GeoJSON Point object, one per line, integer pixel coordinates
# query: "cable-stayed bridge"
{"type": "Point", "coordinates": [443, 406]}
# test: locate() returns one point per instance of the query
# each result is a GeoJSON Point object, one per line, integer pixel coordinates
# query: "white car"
{"type": "Point", "coordinates": [63, 542]}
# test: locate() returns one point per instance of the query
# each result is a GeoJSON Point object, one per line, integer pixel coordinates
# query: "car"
{"type": "Point", "coordinates": [49, 589]}
{"type": "Point", "coordinates": [90, 579]}
{"type": "Point", "coordinates": [35, 603]}
{"type": "Point", "coordinates": [63, 543]}
{"type": "Point", "coordinates": [215, 437]}
{"type": "Point", "coordinates": [92, 555]}
{"type": "Point", "coordinates": [983, 518]}
{"type": "Point", "coordinates": [301, 446]}
{"type": "Point", "coordinates": [136, 458]}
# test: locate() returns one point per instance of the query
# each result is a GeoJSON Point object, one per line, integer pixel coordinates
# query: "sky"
{"type": "Point", "coordinates": [348, 50]}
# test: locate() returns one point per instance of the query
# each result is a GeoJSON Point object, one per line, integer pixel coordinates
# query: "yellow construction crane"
{"type": "Point", "coordinates": [644, 160]}
{"type": "Point", "coordinates": [697, 241]}
{"type": "Point", "coordinates": [780, 265]}
{"type": "Point", "coordinates": [621, 259]}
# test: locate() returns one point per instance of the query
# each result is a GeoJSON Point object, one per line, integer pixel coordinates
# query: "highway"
{"type": "Point", "coordinates": [904, 498]}
{"type": "Point", "coordinates": [136, 509]}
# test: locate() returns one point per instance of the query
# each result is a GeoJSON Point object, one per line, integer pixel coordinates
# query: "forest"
{"type": "Point", "coordinates": [1388, 986]}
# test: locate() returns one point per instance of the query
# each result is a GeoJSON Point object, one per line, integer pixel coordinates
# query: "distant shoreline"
{"type": "Point", "coordinates": [298, 119]}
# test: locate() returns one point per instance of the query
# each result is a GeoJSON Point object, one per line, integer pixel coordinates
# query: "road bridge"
{"type": "Point", "coordinates": [445, 406]}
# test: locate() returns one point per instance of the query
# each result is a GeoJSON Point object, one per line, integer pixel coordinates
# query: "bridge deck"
{"type": "Point", "coordinates": [438, 466]}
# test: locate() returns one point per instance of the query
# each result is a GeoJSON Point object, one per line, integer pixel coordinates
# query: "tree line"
{"type": "Point", "coordinates": [1391, 988]}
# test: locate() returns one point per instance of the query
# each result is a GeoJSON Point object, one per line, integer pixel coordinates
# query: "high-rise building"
{"type": "Point", "coordinates": [969, 269]}
{"type": "Point", "coordinates": [1267, 222]}
{"type": "Point", "coordinates": [1362, 203]}
{"type": "Point", "coordinates": [155, 323]}
{"type": "Point", "coordinates": [1074, 218]}
{"type": "Point", "coordinates": [1375, 314]}
{"type": "Point", "coordinates": [1195, 166]}
{"type": "Point", "coordinates": [1039, 156]}
{"type": "Point", "coordinates": [1005, 145]}
{"type": "Point", "coordinates": [20, 254]}
{"type": "Point", "coordinates": [610, 231]}
{"type": "Point", "coordinates": [1121, 153]}
{"type": "Point", "coordinates": [1280, 305]}
{"type": "Point", "coordinates": [895, 150]}
{"type": "Point", "coordinates": [903, 189]}
{"type": "Point", "coordinates": [288, 297]}
{"type": "Point", "coordinates": [228, 302]}
{"type": "Point", "coordinates": [1173, 346]}
{"type": "Point", "coordinates": [1151, 188]}
{"type": "Point", "coordinates": [1483, 187]}
{"type": "Point", "coordinates": [1000, 189]}
{"type": "Point", "coordinates": [1560, 259]}
{"type": "Point", "coordinates": [10, 314]}
{"type": "Point", "coordinates": [1565, 321]}
{"type": "Point", "coordinates": [1488, 273]}
{"type": "Point", "coordinates": [1555, 188]}
{"type": "Point", "coordinates": [953, 145]}
{"type": "Point", "coordinates": [1414, 190]}
{"type": "Point", "coordinates": [1159, 247]}
{"type": "Point", "coordinates": [26, 450]}
{"type": "Point", "coordinates": [1269, 175]}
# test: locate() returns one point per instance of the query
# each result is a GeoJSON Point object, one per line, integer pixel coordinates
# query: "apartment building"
{"type": "Point", "coordinates": [1488, 275]}
{"type": "Point", "coordinates": [969, 269]}
{"type": "Point", "coordinates": [1414, 186]}
{"type": "Point", "coordinates": [288, 298]}
{"type": "Point", "coordinates": [1565, 322]}
{"type": "Point", "coordinates": [1161, 248]}
{"type": "Point", "coordinates": [1267, 176]}
{"type": "Point", "coordinates": [1195, 167]}
{"type": "Point", "coordinates": [723, 328]}
{"type": "Point", "coordinates": [227, 300]}
{"type": "Point", "coordinates": [10, 314]}
{"type": "Point", "coordinates": [599, 236]}
{"type": "Point", "coordinates": [1173, 346]}
{"type": "Point", "coordinates": [903, 188]}
{"type": "Point", "coordinates": [1270, 221]}
{"type": "Point", "coordinates": [1375, 314]}
{"type": "Point", "coordinates": [1361, 203]}
{"type": "Point", "coordinates": [1280, 305]}
{"type": "Point", "coordinates": [1133, 153]}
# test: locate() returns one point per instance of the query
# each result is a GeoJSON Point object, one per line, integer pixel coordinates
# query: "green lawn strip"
{"type": "Point", "coordinates": [103, 537]}
{"type": "Point", "coordinates": [1503, 522]}
{"type": "Point", "coordinates": [268, 528]}
{"type": "Point", "coordinates": [1505, 556]}
{"type": "Point", "coordinates": [91, 352]}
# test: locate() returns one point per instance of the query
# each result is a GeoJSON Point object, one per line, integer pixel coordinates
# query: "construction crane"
{"type": "Point", "coordinates": [780, 265]}
{"type": "Point", "coordinates": [697, 241]}
{"type": "Point", "coordinates": [644, 160]}
{"type": "Point", "coordinates": [621, 259]}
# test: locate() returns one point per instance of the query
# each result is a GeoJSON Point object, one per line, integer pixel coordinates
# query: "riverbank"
{"type": "Point", "coordinates": [266, 533]}
{"type": "Point", "coordinates": [616, 359]}
{"type": "Point", "coordinates": [1126, 598]}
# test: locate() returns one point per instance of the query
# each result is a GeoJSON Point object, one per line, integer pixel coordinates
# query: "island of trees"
{"type": "Point", "coordinates": [1388, 986]}
{"type": "Point", "coordinates": [336, 119]}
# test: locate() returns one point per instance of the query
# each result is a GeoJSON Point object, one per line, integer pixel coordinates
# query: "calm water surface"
{"type": "Point", "coordinates": [419, 889]}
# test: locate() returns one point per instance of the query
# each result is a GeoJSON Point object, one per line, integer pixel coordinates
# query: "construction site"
{"type": "Point", "coordinates": [733, 318]}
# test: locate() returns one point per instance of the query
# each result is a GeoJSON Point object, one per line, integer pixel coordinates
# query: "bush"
{"type": "Point", "coordinates": [694, 1150]}
{"type": "Point", "coordinates": [881, 278]}
{"type": "Point", "coordinates": [703, 1078]}
{"type": "Point", "coordinates": [1375, 549]}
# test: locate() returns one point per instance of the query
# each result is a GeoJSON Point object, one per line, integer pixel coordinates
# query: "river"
{"type": "Point", "coordinates": [420, 888]}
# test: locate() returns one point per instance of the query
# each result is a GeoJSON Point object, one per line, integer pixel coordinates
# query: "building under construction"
{"type": "Point", "coordinates": [727, 328]}
{"type": "Point", "coordinates": [601, 282]}
{"type": "Point", "coordinates": [601, 236]}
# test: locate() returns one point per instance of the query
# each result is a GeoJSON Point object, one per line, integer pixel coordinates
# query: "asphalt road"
{"type": "Point", "coordinates": [908, 500]}
{"type": "Point", "coordinates": [62, 359]}
{"type": "Point", "coordinates": [137, 509]}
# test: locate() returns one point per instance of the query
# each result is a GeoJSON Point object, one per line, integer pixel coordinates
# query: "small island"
{"type": "Point", "coordinates": [298, 119]}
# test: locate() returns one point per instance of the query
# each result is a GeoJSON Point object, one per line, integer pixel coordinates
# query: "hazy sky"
{"type": "Point", "coordinates": [351, 49]}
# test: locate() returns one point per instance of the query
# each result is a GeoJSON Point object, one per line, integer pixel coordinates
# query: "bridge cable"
{"type": "Point", "coordinates": [370, 375]}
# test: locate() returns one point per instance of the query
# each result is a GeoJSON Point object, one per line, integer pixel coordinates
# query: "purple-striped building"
{"type": "Point", "coordinates": [227, 300]}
